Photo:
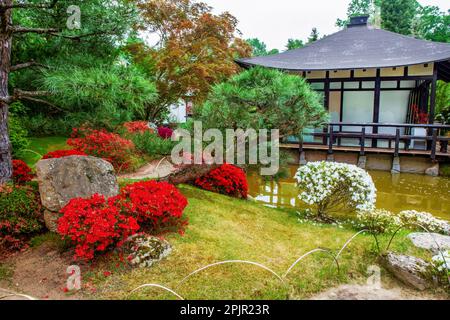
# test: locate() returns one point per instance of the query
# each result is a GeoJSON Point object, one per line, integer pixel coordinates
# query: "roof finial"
{"type": "Point", "coordinates": [358, 21]}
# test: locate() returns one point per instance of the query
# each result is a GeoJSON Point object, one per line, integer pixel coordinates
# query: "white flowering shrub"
{"type": "Point", "coordinates": [412, 219]}
{"type": "Point", "coordinates": [335, 187]}
{"type": "Point", "coordinates": [377, 221]}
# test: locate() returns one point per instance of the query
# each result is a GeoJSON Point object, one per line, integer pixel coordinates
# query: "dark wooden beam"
{"type": "Point", "coordinates": [433, 96]}
{"type": "Point", "coordinates": [376, 106]}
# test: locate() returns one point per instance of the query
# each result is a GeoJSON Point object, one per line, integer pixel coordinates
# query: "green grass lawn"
{"type": "Point", "coordinates": [40, 146]}
{"type": "Point", "coordinates": [223, 228]}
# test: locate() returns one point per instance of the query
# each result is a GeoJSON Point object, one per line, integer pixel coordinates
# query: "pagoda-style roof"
{"type": "Point", "coordinates": [356, 47]}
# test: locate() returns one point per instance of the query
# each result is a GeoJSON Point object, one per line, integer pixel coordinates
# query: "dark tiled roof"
{"type": "Point", "coordinates": [356, 48]}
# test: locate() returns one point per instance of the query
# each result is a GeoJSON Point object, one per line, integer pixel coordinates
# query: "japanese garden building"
{"type": "Point", "coordinates": [379, 87]}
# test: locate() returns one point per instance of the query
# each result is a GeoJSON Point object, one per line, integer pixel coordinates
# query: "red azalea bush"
{"type": "Point", "coordinates": [165, 132]}
{"type": "Point", "coordinates": [226, 179]}
{"type": "Point", "coordinates": [157, 206]}
{"type": "Point", "coordinates": [137, 127]}
{"type": "Point", "coordinates": [63, 153]}
{"type": "Point", "coordinates": [21, 172]}
{"type": "Point", "coordinates": [100, 143]}
{"type": "Point", "coordinates": [95, 225]}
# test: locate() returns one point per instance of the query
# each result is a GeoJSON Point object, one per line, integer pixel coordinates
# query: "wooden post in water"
{"type": "Point", "coordinates": [363, 141]}
{"type": "Point", "coordinates": [434, 144]}
{"type": "Point", "coordinates": [397, 143]}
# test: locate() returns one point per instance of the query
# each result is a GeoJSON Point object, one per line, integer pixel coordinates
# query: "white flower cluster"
{"type": "Point", "coordinates": [377, 221]}
{"type": "Point", "coordinates": [146, 250]}
{"type": "Point", "coordinates": [426, 220]}
{"type": "Point", "coordinates": [320, 181]}
{"type": "Point", "coordinates": [442, 261]}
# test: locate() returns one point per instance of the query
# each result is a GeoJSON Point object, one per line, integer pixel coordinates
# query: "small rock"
{"type": "Point", "coordinates": [433, 171]}
{"type": "Point", "coordinates": [410, 270]}
{"type": "Point", "coordinates": [430, 241]}
{"type": "Point", "coordinates": [144, 250]}
{"type": "Point", "coordinates": [359, 293]}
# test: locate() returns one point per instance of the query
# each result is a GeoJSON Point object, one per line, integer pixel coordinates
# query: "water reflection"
{"type": "Point", "coordinates": [395, 192]}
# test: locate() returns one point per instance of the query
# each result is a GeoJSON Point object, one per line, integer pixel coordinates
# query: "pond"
{"type": "Point", "coordinates": [395, 192]}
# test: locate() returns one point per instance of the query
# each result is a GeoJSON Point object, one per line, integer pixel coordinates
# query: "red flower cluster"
{"type": "Point", "coordinates": [100, 143]}
{"type": "Point", "coordinates": [137, 127]}
{"type": "Point", "coordinates": [157, 206]}
{"type": "Point", "coordinates": [21, 172]}
{"type": "Point", "coordinates": [95, 225]}
{"type": "Point", "coordinates": [63, 153]}
{"type": "Point", "coordinates": [165, 132]}
{"type": "Point", "coordinates": [226, 179]}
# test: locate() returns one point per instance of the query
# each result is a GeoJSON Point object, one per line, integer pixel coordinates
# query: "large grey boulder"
{"type": "Point", "coordinates": [430, 241]}
{"type": "Point", "coordinates": [63, 179]}
{"type": "Point", "coordinates": [410, 270]}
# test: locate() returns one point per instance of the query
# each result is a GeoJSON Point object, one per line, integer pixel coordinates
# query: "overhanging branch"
{"type": "Point", "coordinates": [56, 32]}
{"type": "Point", "coordinates": [18, 94]}
{"type": "Point", "coordinates": [42, 102]}
{"type": "Point", "coordinates": [34, 30]}
{"type": "Point", "coordinates": [26, 5]}
{"type": "Point", "coordinates": [29, 64]}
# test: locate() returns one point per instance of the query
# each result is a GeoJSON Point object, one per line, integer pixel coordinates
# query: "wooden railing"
{"type": "Point", "coordinates": [333, 134]}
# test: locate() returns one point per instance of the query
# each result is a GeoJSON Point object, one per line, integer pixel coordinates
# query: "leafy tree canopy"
{"type": "Point", "coordinates": [104, 27]}
{"type": "Point", "coordinates": [432, 24]}
{"type": "Point", "coordinates": [294, 44]}
{"type": "Point", "coordinates": [314, 36]}
{"type": "Point", "coordinates": [398, 15]}
{"type": "Point", "coordinates": [111, 90]}
{"type": "Point", "coordinates": [195, 49]}
{"type": "Point", "coordinates": [263, 98]}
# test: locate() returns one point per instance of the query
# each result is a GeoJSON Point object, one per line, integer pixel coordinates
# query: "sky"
{"type": "Point", "coordinates": [275, 21]}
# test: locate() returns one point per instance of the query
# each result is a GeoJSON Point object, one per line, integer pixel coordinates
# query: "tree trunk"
{"type": "Point", "coordinates": [189, 173]}
{"type": "Point", "coordinates": [5, 65]}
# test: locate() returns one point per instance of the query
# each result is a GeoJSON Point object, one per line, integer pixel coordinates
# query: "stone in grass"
{"type": "Point", "coordinates": [430, 241]}
{"type": "Point", "coordinates": [410, 270]}
{"type": "Point", "coordinates": [144, 250]}
{"type": "Point", "coordinates": [63, 179]}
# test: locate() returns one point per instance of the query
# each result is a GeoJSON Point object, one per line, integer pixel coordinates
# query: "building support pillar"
{"type": "Point", "coordinates": [432, 111]}
{"type": "Point", "coordinates": [376, 106]}
{"type": "Point", "coordinates": [396, 166]}
{"type": "Point", "coordinates": [303, 161]}
{"type": "Point", "coordinates": [362, 161]}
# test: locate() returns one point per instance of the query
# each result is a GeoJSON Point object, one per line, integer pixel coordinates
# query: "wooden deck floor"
{"type": "Point", "coordinates": [367, 150]}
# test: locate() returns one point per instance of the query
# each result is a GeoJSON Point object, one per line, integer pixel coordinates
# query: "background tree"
{"type": "Point", "coordinates": [104, 28]}
{"type": "Point", "coordinates": [294, 44]}
{"type": "Point", "coordinates": [314, 36]}
{"type": "Point", "coordinates": [40, 33]}
{"type": "Point", "coordinates": [259, 48]}
{"type": "Point", "coordinates": [195, 49]}
{"type": "Point", "coordinates": [432, 24]}
{"type": "Point", "coordinates": [398, 15]}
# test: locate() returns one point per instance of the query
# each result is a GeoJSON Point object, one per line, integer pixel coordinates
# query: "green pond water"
{"type": "Point", "coordinates": [395, 192]}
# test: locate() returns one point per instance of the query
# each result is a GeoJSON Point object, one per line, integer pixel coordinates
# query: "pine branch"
{"type": "Point", "coordinates": [48, 5]}
{"type": "Point", "coordinates": [27, 65]}
{"type": "Point", "coordinates": [19, 29]}
{"type": "Point", "coordinates": [18, 94]}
